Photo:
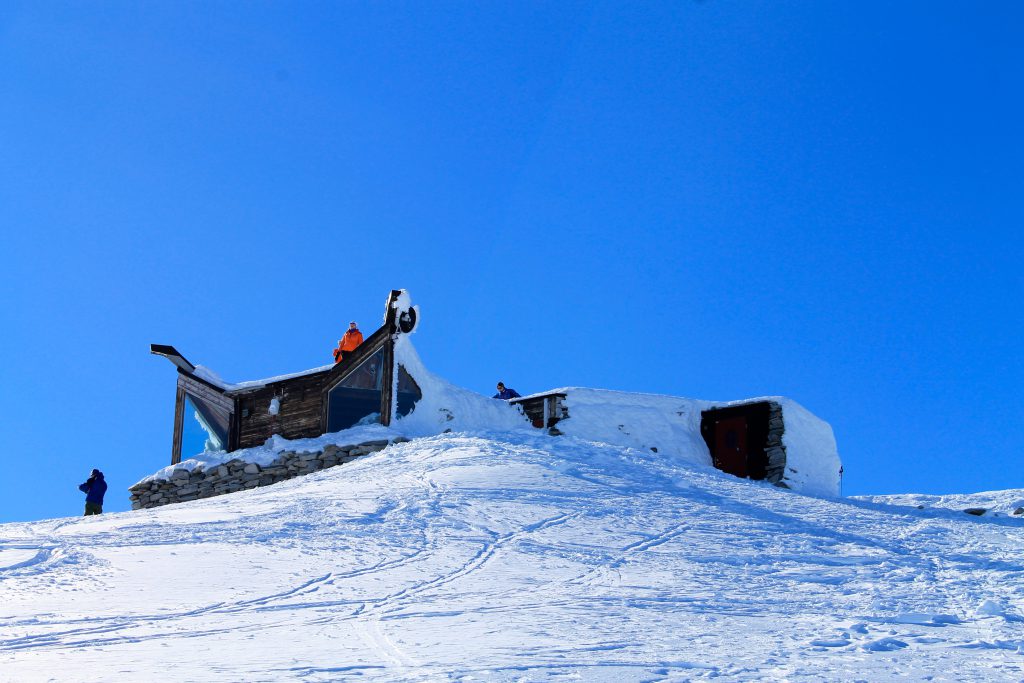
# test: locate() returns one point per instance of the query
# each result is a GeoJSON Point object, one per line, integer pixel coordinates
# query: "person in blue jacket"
{"type": "Point", "coordinates": [505, 394]}
{"type": "Point", "coordinates": [94, 488]}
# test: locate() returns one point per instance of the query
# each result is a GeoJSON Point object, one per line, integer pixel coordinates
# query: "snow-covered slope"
{"type": "Point", "coordinates": [514, 556]}
{"type": "Point", "coordinates": [993, 503]}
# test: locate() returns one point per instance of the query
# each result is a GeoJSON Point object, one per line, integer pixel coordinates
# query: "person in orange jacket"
{"type": "Point", "coordinates": [348, 343]}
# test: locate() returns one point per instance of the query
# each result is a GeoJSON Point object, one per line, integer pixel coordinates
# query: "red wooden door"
{"type": "Point", "coordinates": [731, 445]}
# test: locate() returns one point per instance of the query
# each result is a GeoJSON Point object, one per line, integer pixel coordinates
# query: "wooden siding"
{"type": "Point", "coordinates": [205, 391]}
{"type": "Point", "coordinates": [543, 410]}
{"type": "Point", "coordinates": [303, 400]}
{"type": "Point", "coordinates": [179, 422]}
{"type": "Point", "coordinates": [387, 398]}
{"type": "Point", "coordinates": [765, 455]}
{"type": "Point", "coordinates": [299, 416]}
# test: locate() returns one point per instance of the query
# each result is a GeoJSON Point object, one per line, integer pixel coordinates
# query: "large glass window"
{"type": "Point", "coordinates": [356, 399]}
{"type": "Point", "coordinates": [408, 392]}
{"type": "Point", "coordinates": [205, 427]}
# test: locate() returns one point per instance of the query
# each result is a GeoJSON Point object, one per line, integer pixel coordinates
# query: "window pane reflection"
{"type": "Point", "coordinates": [356, 400]}
{"type": "Point", "coordinates": [205, 427]}
{"type": "Point", "coordinates": [408, 392]}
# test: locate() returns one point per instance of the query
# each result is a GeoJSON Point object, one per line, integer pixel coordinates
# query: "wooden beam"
{"type": "Point", "coordinates": [387, 382]}
{"type": "Point", "coordinates": [179, 422]}
{"type": "Point", "coordinates": [204, 391]}
{"type": "Point", "coordinates": [390, 313]}
{"type": "Point", "coordinates": [171, 354]}
{"type": "Point", "coordinates": [342, 370]}
{"type": "Point", "coordinates": [235, 432]}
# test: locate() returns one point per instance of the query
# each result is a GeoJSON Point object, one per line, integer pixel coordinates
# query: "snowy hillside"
{"type": "Point", "coordinates": [987, 503]}
{"type": "Point", "coordinates": [514, 556]}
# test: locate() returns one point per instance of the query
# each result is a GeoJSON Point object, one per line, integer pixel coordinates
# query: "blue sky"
{"type": "Point", "coordinates": [708, 199]}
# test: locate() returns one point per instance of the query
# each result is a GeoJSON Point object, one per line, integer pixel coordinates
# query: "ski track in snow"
{"type": "Point", "coordinates": [461, 557]}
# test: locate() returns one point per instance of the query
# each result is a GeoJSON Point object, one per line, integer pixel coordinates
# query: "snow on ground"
{"type": "Point", "coordinates": [515, 556]}
{"type": "Point", "coordinates": [995, 503]}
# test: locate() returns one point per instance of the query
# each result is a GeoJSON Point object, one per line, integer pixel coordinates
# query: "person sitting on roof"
{"type": "Point", "coordinates": [348, 343]}
{"type": "Point", "coordinates": [505, 394]}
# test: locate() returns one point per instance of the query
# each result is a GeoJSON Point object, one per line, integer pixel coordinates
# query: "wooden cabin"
{"type": "Point", "coordinates": [358, 390]}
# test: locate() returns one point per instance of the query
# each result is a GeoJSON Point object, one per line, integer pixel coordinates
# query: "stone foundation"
{"type": "Point", "coordinates": [238, 475]}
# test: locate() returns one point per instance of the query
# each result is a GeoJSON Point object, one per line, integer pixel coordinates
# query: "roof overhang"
{"type": "Point", "coordinates": [171, 354]}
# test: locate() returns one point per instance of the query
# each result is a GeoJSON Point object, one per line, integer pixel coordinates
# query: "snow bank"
{"type": "Point", "coordinates": [812, 461]}
{"type": "Point", "coordinates": [446, 407]}
{"type": "Point", "coordinates": [667, 425]}
{"type": "Point", "coordinates": [670, 426]}
{"type": "Point", "coordinates": [995, 503]}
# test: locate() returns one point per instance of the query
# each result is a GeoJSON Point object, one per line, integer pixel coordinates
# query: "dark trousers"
{"type": "Point", "coordinates": [93, 509]}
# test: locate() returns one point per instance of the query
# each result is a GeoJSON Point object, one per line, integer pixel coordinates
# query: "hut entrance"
{"type": "Point", "coordinates": [730, 454]}
{"type": "Point", "coordinates": [737, 438]}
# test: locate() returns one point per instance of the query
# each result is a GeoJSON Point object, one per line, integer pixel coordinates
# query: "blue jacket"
{"type": "Point", "coordinates": [506, 394]}
{"type": "Point", "coordinates": [94, 489]}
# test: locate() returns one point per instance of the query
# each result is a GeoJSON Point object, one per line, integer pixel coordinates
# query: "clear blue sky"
{"type": "Point", "coordinates": [714, 199]}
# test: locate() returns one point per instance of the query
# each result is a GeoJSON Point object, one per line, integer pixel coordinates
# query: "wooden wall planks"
{"type": "Point", "coordinates": [299, 415]}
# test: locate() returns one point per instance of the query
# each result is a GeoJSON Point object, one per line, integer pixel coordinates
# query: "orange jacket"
{"type": "Point", "coordinates": [351, 340]}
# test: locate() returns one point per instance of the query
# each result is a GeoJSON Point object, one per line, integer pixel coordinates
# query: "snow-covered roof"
{"type": "Point", "coordinates": [206, 374]}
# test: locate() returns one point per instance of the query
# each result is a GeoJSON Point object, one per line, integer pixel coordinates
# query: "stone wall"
{"type": "Point", "coordinates": [238, 475]}
{"type": "Point", "coordinates": [774, 448]}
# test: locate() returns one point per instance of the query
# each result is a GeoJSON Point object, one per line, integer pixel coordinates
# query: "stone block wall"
{"type": "Point", "coordinates": [238, 475]}
{"type": "Point", "coordinates": [774, 448]}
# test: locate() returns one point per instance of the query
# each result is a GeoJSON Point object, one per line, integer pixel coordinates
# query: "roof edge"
{"type": "Point", "coordinates": [172, 354]}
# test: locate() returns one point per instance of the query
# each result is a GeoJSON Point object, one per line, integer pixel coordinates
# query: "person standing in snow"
{"type": "Point", "coordinates": [348, 343]}
{"type": "Point", "coordinates": [94, 488]}
{"type": "Point", "coordinates": [505, 394]}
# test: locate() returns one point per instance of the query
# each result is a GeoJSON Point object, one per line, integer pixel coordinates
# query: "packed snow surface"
{"type": "Point", "coordinates": [994, 503]}
{"type": "Point", "coordinates": [515, 556]}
